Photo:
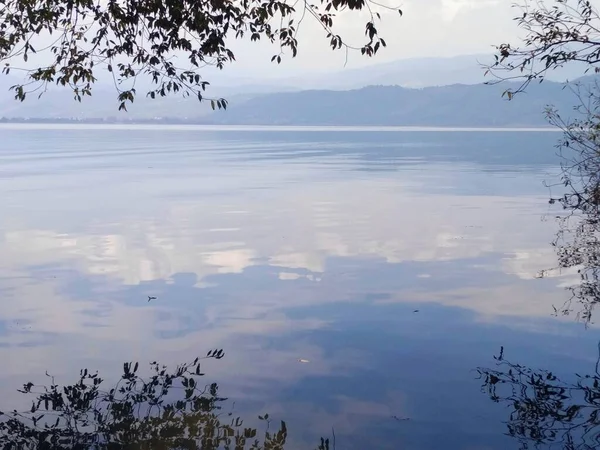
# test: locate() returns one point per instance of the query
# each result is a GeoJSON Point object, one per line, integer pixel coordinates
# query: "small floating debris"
{"type": "Point", "coordinates": [416, 311]}
{"type": "Point", "coordinates": [303, 361]}
{"type": "Point", "coordinates": [400, 419]}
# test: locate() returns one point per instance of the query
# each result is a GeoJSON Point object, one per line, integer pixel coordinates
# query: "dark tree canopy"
{"type": "Point", "coordinates": [169, 409]}
{"type": "Point", "coordinates": [166, 40]}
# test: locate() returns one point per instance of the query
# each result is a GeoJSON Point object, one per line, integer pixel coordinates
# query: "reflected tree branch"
{"type": "Point", "coordinates": [170, 409]}
{"type": "Point", "coordinates": [545, 410]}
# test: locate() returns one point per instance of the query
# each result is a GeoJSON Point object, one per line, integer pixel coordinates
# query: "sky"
{"type": "Point", "coordinates": [427, 28]}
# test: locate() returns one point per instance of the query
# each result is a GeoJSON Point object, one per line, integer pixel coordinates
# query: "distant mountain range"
{"type": "Point", "coordinates": [456, 105]}
{"type": "Point", "coordinates": [417, 92]}
{"type": "Point", "coordinates": [413, 73]}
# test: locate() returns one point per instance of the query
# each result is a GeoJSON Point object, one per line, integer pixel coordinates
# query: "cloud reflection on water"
{"type": "Point", "coordinates": [274, 260]}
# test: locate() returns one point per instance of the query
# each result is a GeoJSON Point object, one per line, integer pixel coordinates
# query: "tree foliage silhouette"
{"type": "Point", "coordinates": [170, 409]}
{"type": "Point", "coordinates": [577, 241]}
{"type": "Point", "coordinates": [545, 410]}
{"type": "Point", "coordinates": [169, 41]}
{"type": "Point", "coordinates": [555, 33]}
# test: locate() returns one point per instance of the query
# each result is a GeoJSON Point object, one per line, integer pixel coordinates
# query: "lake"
{"type": "Point", "coordinates": [363, 284]}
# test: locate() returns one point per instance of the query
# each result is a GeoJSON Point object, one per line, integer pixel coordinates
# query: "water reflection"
{"type": "Point", "coordinates": [393, 263]}
{"type": "Point", "coordinates": [546, 410]}
{"type": "Point", "coordinates": [578, 250]}
{"type": "Point", "coordinates": [551, 408]}
{"type": "Point", "coordinates": [168, 409]}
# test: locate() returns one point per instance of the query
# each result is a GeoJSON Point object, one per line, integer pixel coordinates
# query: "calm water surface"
{"type": "Point", "coordinates": [355, 280]}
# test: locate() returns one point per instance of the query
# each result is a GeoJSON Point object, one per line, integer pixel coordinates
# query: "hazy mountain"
{"type": "Point", "coordinates": [278, 101]}
{"type": "Point", "coordinates": [58, 102]}
{"type": "Point", "coordinates": [456, 105]}
{"type": "Point", "coordinates": [415, 72]}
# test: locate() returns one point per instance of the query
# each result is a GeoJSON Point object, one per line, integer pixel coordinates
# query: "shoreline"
{"type": "Point", "coordinates": [161, 126]}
